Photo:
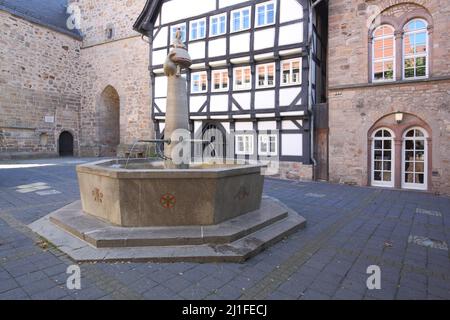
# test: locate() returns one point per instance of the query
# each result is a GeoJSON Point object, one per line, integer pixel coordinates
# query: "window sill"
{"type": "Point", "coordinates": [389, 83]}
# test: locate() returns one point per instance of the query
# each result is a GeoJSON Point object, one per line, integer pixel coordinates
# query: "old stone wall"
{"type": "Point", "coordinates": [39, 78]}
{"type": "Point", "coordinates": [120, 62]}
{"type": "Point", "coordinates": [356, 105]}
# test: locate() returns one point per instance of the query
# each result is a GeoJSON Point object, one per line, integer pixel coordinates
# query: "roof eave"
{"type": "Point", "coordinates": [147, 16]}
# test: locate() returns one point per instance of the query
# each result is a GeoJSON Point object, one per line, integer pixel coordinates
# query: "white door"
{"type": "Point", "coordinates": [383, 159]}
{"type": "Point", "coordinates": [414, 167]}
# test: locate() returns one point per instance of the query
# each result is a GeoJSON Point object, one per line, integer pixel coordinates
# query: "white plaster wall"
{"type": "Point", "coordinates": [265, 99]}
{"type": "Point", "coordinates": [287, 95]}
{"type": "Point", "coordinates": [218, 103]}
{"type": "Point", "coordinates": [217, 47]}
{"type": "Point", "coordinates": [243, 99]}
{"type": "Point", "coordinates": [240, 43]}
{"type": "Point", "coordinates": [179, 9]}
{"type": "Point", "coordinates": [290, 34]}
{"type": "Point", "coordinates": [292, 144]}
{"type": "Point", "coordinates": [290, 10]}
{"type": "Point", "coordinates": [264, 39]}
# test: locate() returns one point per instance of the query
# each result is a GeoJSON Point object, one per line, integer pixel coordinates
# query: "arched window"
{"type": "Point", "coordinates": [415, 153]}
{"type": "Point", "coordinates": [383, 54]}
{"type": "Point", "coordinates": [415, 49]}
{"type": "Point", "coordinates": [383, 158]}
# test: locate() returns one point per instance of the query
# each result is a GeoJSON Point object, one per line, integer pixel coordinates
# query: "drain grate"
{"type": "Point", "coordinates": [429, 212]}
{"type": "Point", "coordinates": [427, 242]}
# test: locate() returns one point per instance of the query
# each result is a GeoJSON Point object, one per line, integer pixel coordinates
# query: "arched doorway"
{"type": "Point", "coordinates": [108, 119]}
{"type": "Point", "coordinates": [400, 148]}
{"type": "Point", "coordinates": [214, 146]}
{"type": "Point", "coordinates": [65, 144]}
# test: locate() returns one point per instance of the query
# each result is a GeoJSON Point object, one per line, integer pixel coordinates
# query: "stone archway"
{"type": "Point", "coordinates": [108, 120]}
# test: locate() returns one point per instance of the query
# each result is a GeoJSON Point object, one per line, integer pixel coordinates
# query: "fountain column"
{"type": "Point", "coordinates": [177, 112]}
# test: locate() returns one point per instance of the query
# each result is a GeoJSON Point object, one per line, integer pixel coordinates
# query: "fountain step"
{"type": "Point", "coordinates": [103, 235]}
{"type": "Point", "coordinates": [235, 251]}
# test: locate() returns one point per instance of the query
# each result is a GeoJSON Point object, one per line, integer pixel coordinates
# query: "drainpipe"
{"type": "Point", "coordinates": [310, 71]}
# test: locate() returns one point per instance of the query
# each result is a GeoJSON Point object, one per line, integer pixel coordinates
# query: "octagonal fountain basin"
{"type": "Point", "coordinates": [145, 194]}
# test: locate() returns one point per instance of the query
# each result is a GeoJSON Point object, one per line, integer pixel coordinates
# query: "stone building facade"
{"type": "Point", "coordinates": [389, 93]}
{"type": "Point", "coordinates": [40, 87]}
{"type": "Point", "coordinates": [91, 84]}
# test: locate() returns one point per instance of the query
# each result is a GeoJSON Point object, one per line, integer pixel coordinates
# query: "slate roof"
{"type": "Point", "coordinates": [49, 13]}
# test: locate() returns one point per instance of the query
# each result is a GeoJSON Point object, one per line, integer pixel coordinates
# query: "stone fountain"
{"type": "Point", "coordinates": [169, 210]}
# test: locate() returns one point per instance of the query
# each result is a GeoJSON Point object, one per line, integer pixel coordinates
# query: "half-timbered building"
{"type": "Point", "coordinates": [250, 73]}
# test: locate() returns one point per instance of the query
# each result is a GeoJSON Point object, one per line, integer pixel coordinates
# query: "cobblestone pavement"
{"type": "Point", "coordinates": [349, 228]}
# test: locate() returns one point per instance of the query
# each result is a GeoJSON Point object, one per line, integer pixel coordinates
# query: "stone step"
{"type": "Point", "coordinates": [102, 235]}
{"type": "Point", "coordinates": [235, 251]}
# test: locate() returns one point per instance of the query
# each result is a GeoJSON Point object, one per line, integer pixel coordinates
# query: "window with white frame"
{"type": "Point", "coordinates": [218, 25]}
{"type": "Point", "coordinates": [290, 72]}
{"type": "Point", "coordinates": [197, 29]}
{"type": "Point", "coordinates": [220, 80]}
{"type": "Point", "coordinates": [242, 78]}
{"type": "Point", "coordinates": [244, 144]}
{"type": "Point", "coordinates": [268, 144]}
{"type": "Point", "coordinates": [199, 82]}
{"type": "Point", "coordinates": [173, 31]}
{"type": "Point", "coordinates": [383, 54]}
{"type": "Point", "coordinates": [415, 49]}
{"type": "Point", "coordinates": [265, 14]}
{"type": "Point", "coordinates": [240, 19]}
{"type": "Point", "coordinates": [266, 75]}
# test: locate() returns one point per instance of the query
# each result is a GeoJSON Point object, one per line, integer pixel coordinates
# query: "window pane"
{"type": "Point", "coordinates": [270, 13]}
{"type": "Point", "coordinates": [236, 21]}
{"type": "Point", "coordinates": [409, 156]}
{"type": "Point", "coordinates": [238, 79]}
{"type": "Point", "coordinates": [378, 49]}
{"type": "Point", "coordinates": [388, 70]}
{"type": "Point", "coordinates": [378, 71]}
{"type": "Point", "coordinates": [270, 75]}
{"type": "Point", "coordinates": [387, 165]}
{"type": "Point", "coordinates": [386, 176]}
{"type": "Point", "coordinates": [378, 144]}
{"type": "Point", "coordinates": [409, 73]}
{"type": "Point", "coordinates": [409, 44]}
{"type": "Point", "coordinates": [387, 155]}
{"type": "Point", "coordinates": [420, 178]}
{"type": "Point", "coordinates": [246, 17]}
{"type": "Point", "coordinates": [387, 144]}
{"type": "Point", "coordinates": [261, 15]}
{"type": "Point", "coordinates": [378, 165]}
{"type": "Point", "coordinates": [194, 31]}
{"type": "Point", "coordinates": [420, 145]}
{"type": "Point", "coordinates": [409, 178]}
{"type": "Point", "coordinates": [379, 133]}
{"type": "Point", "coordinates": [222, 24]}
{"type": "Point", "coordinates": [202, 29]}
{"type": "Point", "coordinates": [377, 176]}
{"type": "Point", "coordinates": [378, 155]}
{"type": "Point", "coordinates": [247, 76]}
{"type": "Point", "coordinates": [409, 145]}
